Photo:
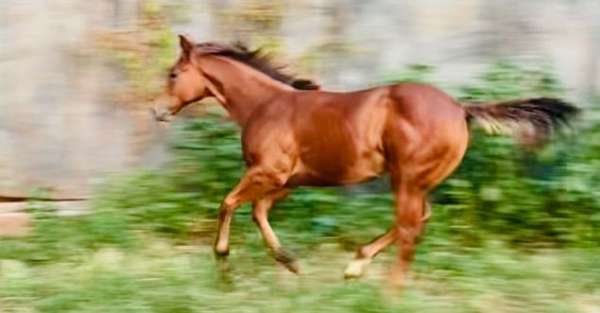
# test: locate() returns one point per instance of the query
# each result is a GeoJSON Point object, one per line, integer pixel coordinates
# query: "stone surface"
{"type": "Point", "coordinates": [62, 129]}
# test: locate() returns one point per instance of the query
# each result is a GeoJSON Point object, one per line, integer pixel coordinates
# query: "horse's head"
{"type": "Point", "coordinates": [185, 83]}
{"type": "Point", "coordinates": [194, 76]}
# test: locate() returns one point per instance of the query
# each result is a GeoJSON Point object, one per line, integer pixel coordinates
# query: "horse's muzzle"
{"type": "Point", "coordinates": [161, 115]}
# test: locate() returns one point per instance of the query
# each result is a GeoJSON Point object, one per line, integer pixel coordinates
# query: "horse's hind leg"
{"type": "Point", "coordinates": [366, 253]}
{"type": "Point", "coordinates": [260, 213]}
{"type": "Point", "coordinates": [409, 225]}
{"type": "Point", "coordinates": [412, 208]}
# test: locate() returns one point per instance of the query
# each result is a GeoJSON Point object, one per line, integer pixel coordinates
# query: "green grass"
{"type": "Point", "coordinates": [70, 265]}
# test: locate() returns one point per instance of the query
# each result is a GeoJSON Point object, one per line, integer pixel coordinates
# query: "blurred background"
{"type": "Point", "coordinates": [104, 210]}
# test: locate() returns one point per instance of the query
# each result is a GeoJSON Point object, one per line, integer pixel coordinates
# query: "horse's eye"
{"type": "Point", "coordinates": [172, 76]}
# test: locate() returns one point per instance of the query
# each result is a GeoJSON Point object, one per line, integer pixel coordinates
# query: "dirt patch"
{"type": "Point", "coordinates": [14, 224]}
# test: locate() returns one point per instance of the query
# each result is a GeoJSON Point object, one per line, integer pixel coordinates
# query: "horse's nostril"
{"type": "Point", "coordinates": [155, 114]}
{"type": "Point", "coordinates": [160, 115]}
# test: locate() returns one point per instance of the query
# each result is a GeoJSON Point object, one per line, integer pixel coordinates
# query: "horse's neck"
{"type": "Point", "coordinates": [242, 88]}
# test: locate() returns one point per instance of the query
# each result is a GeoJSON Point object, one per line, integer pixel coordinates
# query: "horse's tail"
{"type": "Point", "coordinates": [531, 121]}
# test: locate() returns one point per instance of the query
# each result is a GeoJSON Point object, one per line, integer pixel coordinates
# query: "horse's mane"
{"type": "Point", "coordinates": [257, 60]}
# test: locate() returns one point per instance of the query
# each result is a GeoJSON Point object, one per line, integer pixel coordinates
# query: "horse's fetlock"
{"type": "Point", "coordinates": [284, 256]}
{"type": "Point", "coordinates": [362, 253]}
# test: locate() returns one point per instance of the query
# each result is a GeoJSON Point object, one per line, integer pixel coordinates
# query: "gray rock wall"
{"type": "Point", "coordinates": [61, 129]}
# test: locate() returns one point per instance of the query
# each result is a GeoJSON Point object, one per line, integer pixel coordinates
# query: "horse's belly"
{"type": "Point", "coordinates": [368, 166]}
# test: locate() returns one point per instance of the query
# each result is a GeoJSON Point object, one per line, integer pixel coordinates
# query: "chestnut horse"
{"type": "Point", "coordinates": [294, 134]}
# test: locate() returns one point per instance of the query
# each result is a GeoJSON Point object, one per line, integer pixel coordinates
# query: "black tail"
{"type": "Point", "coordinates": [531, 121]}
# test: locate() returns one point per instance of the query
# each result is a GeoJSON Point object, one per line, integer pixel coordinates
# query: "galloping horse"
{"type": "Point", "coordinates": [294, 134]}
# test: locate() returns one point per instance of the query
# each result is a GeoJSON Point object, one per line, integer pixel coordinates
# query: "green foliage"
{"type": "Point", "coordinates": [507, 80]}
{"type": "Point", "coordinates": [524, 196]}
{"type": "Point", "coordinates": [146, 53]}
{"type": "Point", "coordinates": [418, 73]}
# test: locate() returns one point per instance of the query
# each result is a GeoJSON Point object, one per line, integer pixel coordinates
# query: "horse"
{"type": "Point", "coordinates": [295, 134]}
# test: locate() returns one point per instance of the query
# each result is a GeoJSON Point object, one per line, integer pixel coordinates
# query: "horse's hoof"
{"type": "Point", "coordinates": [293, 267]}
{"type": "Point", "coordinates": [221, 253]}
{"type": "Point", "coordinates": [287, 259]}
{"type": "Point", "coordinates": [221, 260]}
{"type": "Point", "coordinates": [356, 268]}
{"type": "Point", "coordinates": [397, 279]}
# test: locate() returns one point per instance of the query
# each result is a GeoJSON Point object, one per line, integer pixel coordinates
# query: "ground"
{"type": "Point", "coordinates": [162, 275]}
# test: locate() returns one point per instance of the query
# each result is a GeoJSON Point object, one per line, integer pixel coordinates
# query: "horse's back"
{"type": "Point", "coordinates": [425, 104]}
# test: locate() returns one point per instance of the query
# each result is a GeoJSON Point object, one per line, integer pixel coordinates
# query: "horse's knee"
{"type": "Point", "coordinates": [227, 208]}
{"type": "Point", "coordinates": [229, 204]}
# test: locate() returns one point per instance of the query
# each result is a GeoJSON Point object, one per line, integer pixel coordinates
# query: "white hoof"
{"type": "Point", "coordinates": [356, 268]}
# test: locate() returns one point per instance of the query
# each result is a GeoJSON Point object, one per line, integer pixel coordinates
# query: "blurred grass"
{"type": "Point", "coordinates": [512, 231]}
{"type": "Point", "coordinates": [113, 261]}
{"type": "Point", "coordinates": [158, 274]}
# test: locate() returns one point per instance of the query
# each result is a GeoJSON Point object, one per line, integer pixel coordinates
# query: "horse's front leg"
{"type": "Point", "coordinates": [255, 184]}
{"type": "Point", "coordinates": [260, 214]}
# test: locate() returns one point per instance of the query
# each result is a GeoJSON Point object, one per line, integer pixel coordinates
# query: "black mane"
{"type": "Point", "coordinates": [257, 60]}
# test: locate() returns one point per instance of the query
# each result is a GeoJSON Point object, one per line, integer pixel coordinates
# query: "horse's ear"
{"type": "Point", "coordinates": [187, 45]}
